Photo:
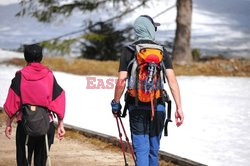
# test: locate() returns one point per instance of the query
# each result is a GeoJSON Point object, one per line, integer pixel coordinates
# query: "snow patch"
{"type": "Point", "coordinates": [216, 109]}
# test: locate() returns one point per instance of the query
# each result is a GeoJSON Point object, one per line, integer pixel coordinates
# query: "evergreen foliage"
{"type": "Point", "coordinates": [103, 42]}
{"type": "Point", "coordinates": [99, 39]}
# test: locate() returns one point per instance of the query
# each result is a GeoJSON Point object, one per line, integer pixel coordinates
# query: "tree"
{"type": "Point", "coordinates": [49, 10]}
{"type": "Point", "coordinates": [182, 49]}
{"type": "Point", "coordinates": [104, 42]}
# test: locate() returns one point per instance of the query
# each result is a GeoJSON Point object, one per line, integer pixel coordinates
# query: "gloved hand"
{"type": "Point", "coordinates": [116, 108]}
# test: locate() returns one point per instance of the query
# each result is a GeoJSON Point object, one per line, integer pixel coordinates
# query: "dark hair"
{"type": "Point", "coordinates": [33, 53]}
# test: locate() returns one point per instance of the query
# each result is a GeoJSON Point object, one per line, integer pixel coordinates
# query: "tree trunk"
{"type": "Point", "coordinates": [182, 50]}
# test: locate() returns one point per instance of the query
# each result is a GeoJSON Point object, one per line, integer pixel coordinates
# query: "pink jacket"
{"type": "Point", "coordinates": [35, 84]}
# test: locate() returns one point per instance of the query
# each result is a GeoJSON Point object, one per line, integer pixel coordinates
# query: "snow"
{"type": "Point", "coordinates": [216, 129]}
{"type": "Point", "coordinates": [5, 55]}
{"type": "Point", "coordinates": [216, 125]}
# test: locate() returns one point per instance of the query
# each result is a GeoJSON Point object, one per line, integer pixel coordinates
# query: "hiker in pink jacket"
{"type": "Point", "coordinates": [34, 84]}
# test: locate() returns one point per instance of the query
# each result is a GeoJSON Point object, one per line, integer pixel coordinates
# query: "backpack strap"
{"type": "Point", "coordinates": [133, 63]}
{"type": "Point", "coordinates": [131, 47]}
{"type": "Point", "coordinates": [163, 67]}
{"type": "Point", "coordinates": [163, 73]}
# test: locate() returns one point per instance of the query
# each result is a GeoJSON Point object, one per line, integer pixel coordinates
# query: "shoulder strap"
{"type": "Point", "coordinates": [131, 62]}
{"type": "Point", "coordinates": [132, 48]}
{"type": "Point", "coordinates": [166, 52]}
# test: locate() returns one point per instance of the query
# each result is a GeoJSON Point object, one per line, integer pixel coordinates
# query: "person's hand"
{"type": "Point", "coordinates": [60, 130]}
{"type": "Point", "coordinates": [116, 108]}
{"type": "Point", "coordinates": [8, 131]}
{"type": "Point", "coordinates": [179, 117]}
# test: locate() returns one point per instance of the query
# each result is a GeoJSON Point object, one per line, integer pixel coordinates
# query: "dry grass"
{"type": "Point", "coordinates": [102, 145]}
{"type": "Point", "coordinates": [164, 163]}
{"type": "Point", "coordinates": [75, 66]}
{"type": "Point", "coordinates": [2, 118]}
{"type": "Point", "coordinates": [215, 67]}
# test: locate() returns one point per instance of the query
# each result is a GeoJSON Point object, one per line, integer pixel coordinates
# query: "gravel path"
{"type": "Point", "coordinates": [74, 150]}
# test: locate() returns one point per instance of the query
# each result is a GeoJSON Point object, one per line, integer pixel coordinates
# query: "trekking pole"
{"type": "Point", "coordinates": [122, 145]}
{"type": "Point", "coordinates": [47, 149]}
{"type": "Point", "coordinates": [26, 149]}
{"type": "Point", "coordinates": [168, 118]}
{"type": "Point", "coordinates": [129, 145]}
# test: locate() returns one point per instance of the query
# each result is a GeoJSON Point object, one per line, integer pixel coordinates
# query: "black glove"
{"type": "Point", "coordinates": [116, 107]}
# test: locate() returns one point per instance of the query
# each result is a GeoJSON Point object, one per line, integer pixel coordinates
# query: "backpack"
{"type": "Point", "coordinates": [35, 120]}
{"type": "Point", "coordinates": [147, 74]}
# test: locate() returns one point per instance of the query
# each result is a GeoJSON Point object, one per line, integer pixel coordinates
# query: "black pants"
{"type": "Point", "coordinates": [36, 145]}
{"type": "Point", "coordinates": [146, 134]}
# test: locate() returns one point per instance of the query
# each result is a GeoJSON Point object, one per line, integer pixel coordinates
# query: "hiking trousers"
{"type": "Point", "coordinates": [36, 145]}
{"type": "Point", "coordinates": [146, 134]}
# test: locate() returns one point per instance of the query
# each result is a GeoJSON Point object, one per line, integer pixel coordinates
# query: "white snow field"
{"type": "Point", "coordinates": [216, 125]}
{"type": "Point", "coordinates": [5, 55]}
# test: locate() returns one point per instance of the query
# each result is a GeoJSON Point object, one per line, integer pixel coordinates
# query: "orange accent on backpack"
{"type": "Point", "coordinates": [143, 57]}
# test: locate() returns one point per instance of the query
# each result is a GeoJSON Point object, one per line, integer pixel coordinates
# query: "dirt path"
{"type": "Point", "coordinates": [69, 151]}
{"type": "Point", "coordinates": [74, 150]}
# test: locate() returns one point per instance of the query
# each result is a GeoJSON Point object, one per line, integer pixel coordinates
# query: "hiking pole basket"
{"type": "Point", "coordinates": [118, 120]}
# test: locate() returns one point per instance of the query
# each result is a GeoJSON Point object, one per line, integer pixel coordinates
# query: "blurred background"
{"type": "Point", "coordinates": [209, 42]}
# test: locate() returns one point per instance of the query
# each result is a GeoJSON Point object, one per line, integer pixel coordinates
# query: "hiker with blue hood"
{"type": "Point", "coordinates": [146, 65]}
